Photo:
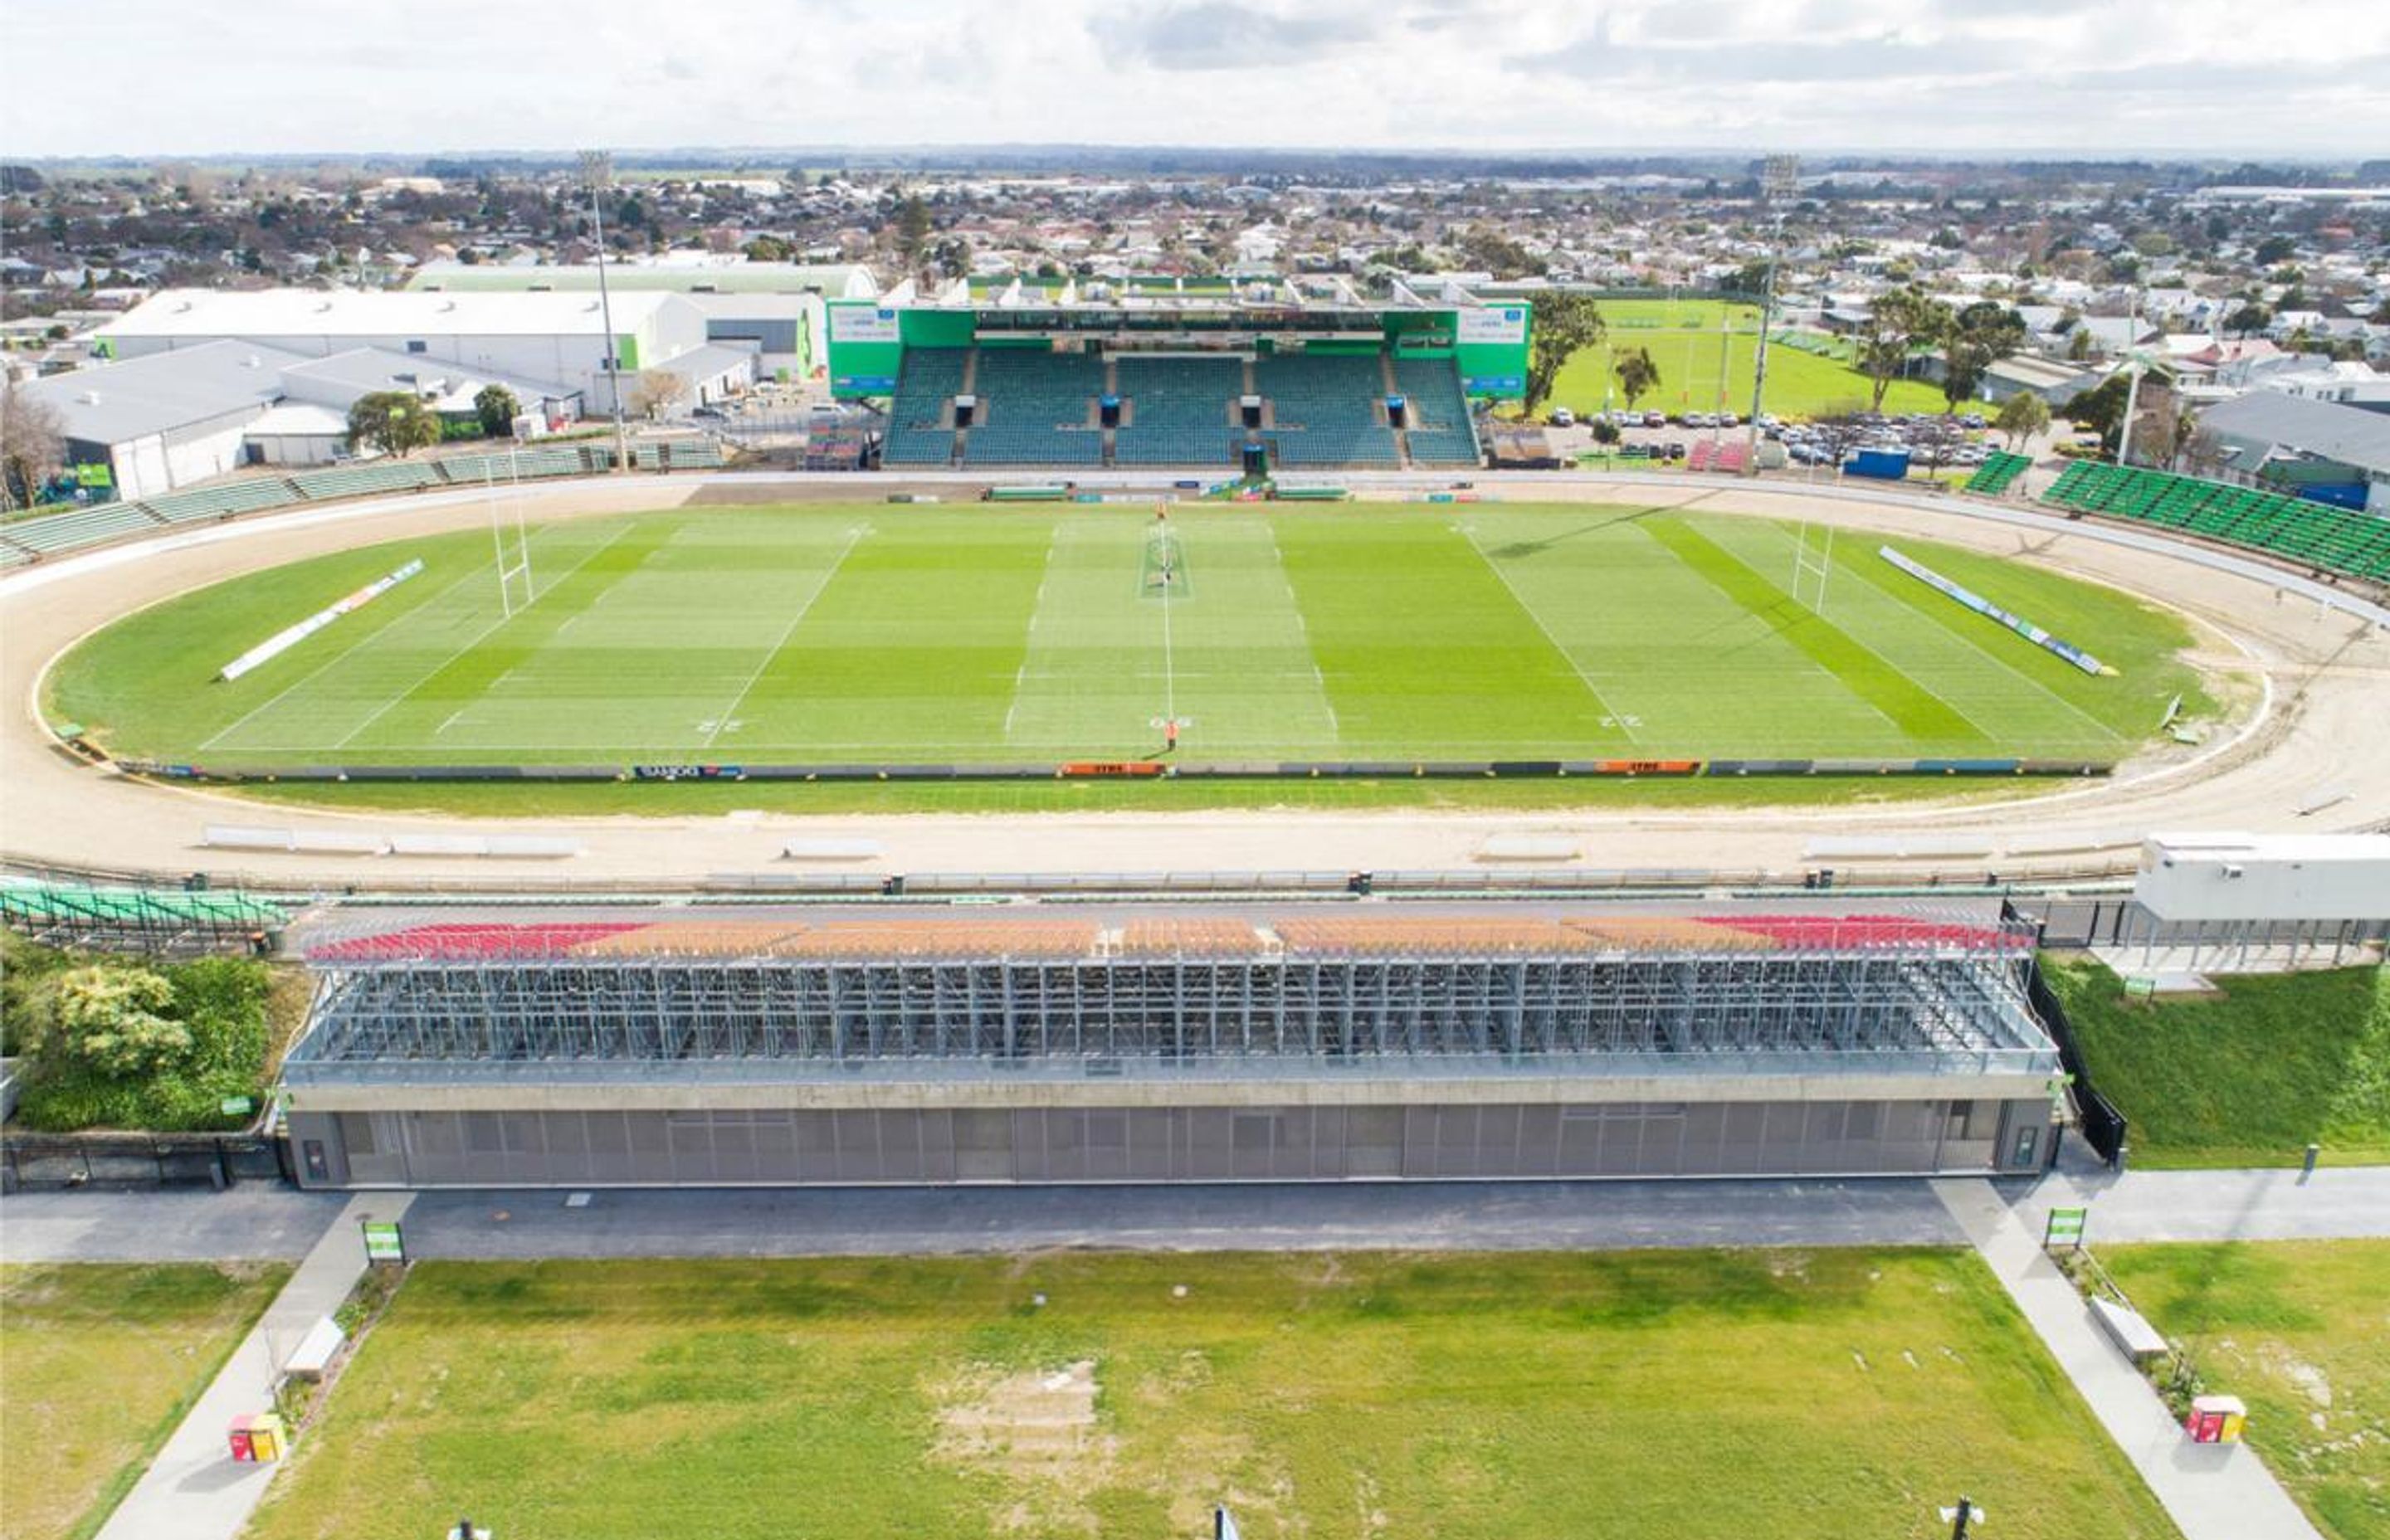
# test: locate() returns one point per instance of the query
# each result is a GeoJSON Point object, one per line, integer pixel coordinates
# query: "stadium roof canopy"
{"type": "Point", "coordinates": [1274, 296]}
{"type": "Point", "coordinates": [833, 280]}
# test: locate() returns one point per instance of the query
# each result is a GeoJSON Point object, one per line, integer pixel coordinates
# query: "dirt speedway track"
{"type": "Point", "coordinates": [2307, 749]}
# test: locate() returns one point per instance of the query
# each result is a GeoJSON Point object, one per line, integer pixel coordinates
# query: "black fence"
{"type": "Point", "coordinates": [53, 1161]}
{"type": "Point", "coordinates": [2074, 924]}
{"type": "Point", "coordinates": [2103, 1126]}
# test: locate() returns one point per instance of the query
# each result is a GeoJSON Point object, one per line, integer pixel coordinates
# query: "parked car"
{"type": "Point", "coordinates": [1656, 419]}
{"type": "Point", "coordinates": [1564, 417]}
{"type": "Point", "coordinates": [711, 414]}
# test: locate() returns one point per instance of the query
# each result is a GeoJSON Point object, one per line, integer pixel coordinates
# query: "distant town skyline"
{"type": "Point", "coordinates": [1928, 77]}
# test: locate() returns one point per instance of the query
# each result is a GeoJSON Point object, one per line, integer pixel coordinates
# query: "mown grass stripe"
{"type": "Point", "coordinates": [1914, 709]}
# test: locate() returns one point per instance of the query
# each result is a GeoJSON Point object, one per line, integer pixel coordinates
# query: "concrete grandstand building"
{"type": "Point", "coordinates": [1261, 1041]}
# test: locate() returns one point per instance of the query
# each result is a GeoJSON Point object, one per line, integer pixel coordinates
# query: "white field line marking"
{"type": "Point", "coordinates": [486, 633]}
{"type": "Point", "coordinates": [336, 658]}
{"type": "Point", "coordinates": [450, 723]}
{"type": "Point", "coordinates": [853, 538]}
{"type": "Point", "coordinates": [1029, 639]}
{"type": "Point", "coordinates": [1303, 631]}
{"type": "Point", "coordinates": [1570, 657]}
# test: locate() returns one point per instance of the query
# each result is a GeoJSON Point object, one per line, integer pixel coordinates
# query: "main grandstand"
{"type": "Point", "coordinates": [1204, 377]}
{"type": "Point", "coordinates": [1169, 1043]}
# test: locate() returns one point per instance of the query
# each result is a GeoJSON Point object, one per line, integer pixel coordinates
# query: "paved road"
{"type": "Point", "coordinates": [2337, 1202]}
{"type": "Point", "coordinates": [254, 1223]}
{"type": "Point", "coordinates": [259, 1222]}
{"type": "Point", "coordinates": [1435, 1217]}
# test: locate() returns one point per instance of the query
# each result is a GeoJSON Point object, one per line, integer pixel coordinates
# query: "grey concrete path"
{"type": "Point", "coordinates": [2212, 1491]}
{"type": "Point", "coordinates": [1429, 1216]}
{"type": "Point", "coordinates": [194, 1490]}
{"type": "Point", "coordinates": [2336, 1203]}
{"type": "Point", "coordinates": [257, 1222]}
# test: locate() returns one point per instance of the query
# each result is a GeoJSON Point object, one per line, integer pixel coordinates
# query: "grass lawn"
{"type": "Point", "coordinates": [1686, 341]}
{"type": "Point", "coordinates": [2301, 1331]}
{"type": "Point", "coordinates": [1795, 1395]}
{"type": "Point", "coordinates": [2245, 1078]}
{"type": "Point", "coordinates": [97, 1364]}
{"type": "Point", "coordinates": [830, 635]}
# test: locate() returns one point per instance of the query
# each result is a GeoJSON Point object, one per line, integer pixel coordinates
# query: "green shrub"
{"type": "Point", "coordinates": [112, 1043]}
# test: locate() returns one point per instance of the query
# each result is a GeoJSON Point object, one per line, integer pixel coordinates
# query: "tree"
{"type": "Point", "coordinates": [112, 1019]}
{"type": "Point", "coordinates": [1637, 374]}
{"type": "Point", "coordinates": [2020, 416]}
{"type": "Point", "coordinates": [913, 226]}
{"type": "Point", "coordinates": [1897, 321]}
{"type": "Point", "coordinates": [32, 445]}
{"type": "Point", "coordinates": [1978, 337]}
{"type": "Point", "coordinates": [1750, 279]}
{"type": "Point", "coordinates": [2102, 409]}
{"type": "Point", "coordinates": [2250, 318]}
{"type": "Point", "coordinates": [1566, 321]}
{"type": "Point", "coordinates": [768, 249]}
{"type": "Point", "coordinates": [393, 422]}
{"type": "Point", "coordinates": [498, 408]}
{"type": "Point", "coordinates": [654, 391]}
{"type": "Point", "coordinates": [2275, 248]}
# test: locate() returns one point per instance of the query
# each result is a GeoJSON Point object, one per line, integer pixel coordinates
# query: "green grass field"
{"type": "Point", "coordinates": [2247, 1077]}
{"type": "Point", "coordinates": [2301, 1331]}
{"type": "Point", "coordinates": [1695, 352]}
{"type": "Point", "coordinates": [1799, 1395]}
{"type": "Point", "coordinates": [866, 633]}
{"type": "Point", "coordinates": [97, 1364]}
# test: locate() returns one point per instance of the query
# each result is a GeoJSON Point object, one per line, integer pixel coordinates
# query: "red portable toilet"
{"type": "Point", "coordinates": [2215, 1419]}
{"type": "Point", "coordinates": [242, 1447]}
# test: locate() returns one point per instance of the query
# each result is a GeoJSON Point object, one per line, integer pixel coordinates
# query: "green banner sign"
{"type": "Point", "coordinates": [383, 1242]}
{"type": "Point", "coordinates": [2065, 1228]}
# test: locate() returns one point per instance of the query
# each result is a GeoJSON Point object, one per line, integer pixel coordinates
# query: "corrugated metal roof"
{"type": "Point", "coordinates": [2343, 433]}
{"type": "Point", "coordinates": [163, 392]}
{"type": "Point", "coordinates": [316, 314]}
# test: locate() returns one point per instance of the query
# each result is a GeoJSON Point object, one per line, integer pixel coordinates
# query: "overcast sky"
{"type": "Point", "coordinates": [172, 78]}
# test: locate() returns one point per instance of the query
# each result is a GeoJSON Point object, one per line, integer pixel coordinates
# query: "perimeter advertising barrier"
{"type": "Point", "coordinates": [289, 637]}
{"type": "Point", "coordinates": [1989, 611]}
{"type": "Point", "coordinates": [1122, 769]}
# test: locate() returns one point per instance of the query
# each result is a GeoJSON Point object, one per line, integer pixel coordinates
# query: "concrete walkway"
{"type": "Point", "coordinates": [2212, 1491]}
{"type": "Point", "coordinates": [2336, 1203]}
{"type": "Point", "coordinates": [194, 1490]}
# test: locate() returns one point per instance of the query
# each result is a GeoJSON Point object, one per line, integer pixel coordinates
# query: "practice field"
{"type": "Point", "coordinates": [834, 633]}
{"type": "Point", "coordinates": [1799, 1395]}
{"type": "Point", "coordinates": [97, 1363]}
{"type": "Point", "coordinates": [2301, 1331]}
{"type": "Point", "coordinates": [1699, 344]}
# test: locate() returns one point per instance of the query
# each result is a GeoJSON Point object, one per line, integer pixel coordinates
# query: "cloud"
{"type": "Point", "coordinates": [1224, 34]}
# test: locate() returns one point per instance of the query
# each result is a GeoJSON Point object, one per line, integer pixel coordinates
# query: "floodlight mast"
{"type": "Point", "coordinates": [598, 172]}
{"type": "Point", "coordinates": [1779, 178]}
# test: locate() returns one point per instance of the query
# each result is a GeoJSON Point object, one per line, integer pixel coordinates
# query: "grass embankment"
{"type": "Point", "coordinates": [2249, 1076]}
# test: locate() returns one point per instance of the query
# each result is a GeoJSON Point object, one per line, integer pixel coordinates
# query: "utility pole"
{"type": "Point", "coordinates": [1779, 178]}
{"type": "Point", "coordinates": [596, 173]}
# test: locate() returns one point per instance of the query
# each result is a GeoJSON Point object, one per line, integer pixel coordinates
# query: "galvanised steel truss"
{"type": "Point", "coordinates": [1432, 1013]}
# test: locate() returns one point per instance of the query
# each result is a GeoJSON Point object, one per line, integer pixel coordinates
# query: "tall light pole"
{"type": "Point", "coordinates": [1780, 177]}
{"type": "Point", "coordinates": [596, 173]}
{"type": "Point", "coordinates": [2132, 379]}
